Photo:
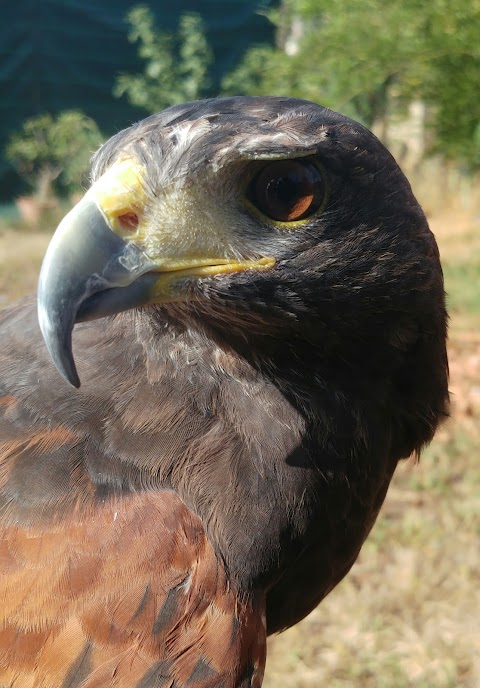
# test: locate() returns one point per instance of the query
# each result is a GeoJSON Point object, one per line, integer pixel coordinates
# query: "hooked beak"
{"type": "Point", "coordinates": [83, 259]}
{"type": "Point", "coordinates": [94, 266]}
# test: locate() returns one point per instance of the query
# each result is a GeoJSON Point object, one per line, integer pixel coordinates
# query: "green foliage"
{"type": "Point", "coordinates": [176, 67]}
{"type": "Point", "coordinates": [264, 70]}
{"type": "Point", "coordinates": [336, 60]}
{"type": "Point", "coordinates": [368, 58]}
{"type": "Point", "coordinates": [49, 148]}
{"type": "Point", "coordinates": [451, 77]}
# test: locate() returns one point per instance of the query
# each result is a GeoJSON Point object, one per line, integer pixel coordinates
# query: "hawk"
{"type": "Point", "coordinates": [259, 327]}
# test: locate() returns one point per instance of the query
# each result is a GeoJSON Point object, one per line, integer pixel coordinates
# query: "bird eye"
{"type": "Point", "coordinates": [287, 190]}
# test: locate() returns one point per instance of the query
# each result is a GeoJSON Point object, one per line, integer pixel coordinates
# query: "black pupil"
{"type": "Point", "coordinates": [287, 190]}
{"type": "Point", "coordinates": [284, 191]}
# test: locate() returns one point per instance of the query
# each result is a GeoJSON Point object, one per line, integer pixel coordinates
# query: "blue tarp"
{"type": "Point", "coordinates": [65, 54]}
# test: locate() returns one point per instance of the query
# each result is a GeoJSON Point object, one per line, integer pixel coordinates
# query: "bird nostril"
{"type": "Point", "coordinates": [128, 220]}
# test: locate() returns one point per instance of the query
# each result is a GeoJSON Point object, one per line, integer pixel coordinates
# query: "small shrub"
{"type": "Point", "coordinates": [51, 151]}
{"type": "Point", "coordinates": [176, 66]}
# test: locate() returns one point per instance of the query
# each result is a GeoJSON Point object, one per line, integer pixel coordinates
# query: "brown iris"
{"type": "Point", "coordinates": [287, 190]}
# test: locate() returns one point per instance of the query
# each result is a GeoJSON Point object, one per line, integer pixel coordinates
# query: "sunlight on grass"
{"type": "Point", "coordinates": [459, 242]}
{"type": "Point", "coordinates": [21, 255]}
{"type": "Point", "coordinates": [462, 283]}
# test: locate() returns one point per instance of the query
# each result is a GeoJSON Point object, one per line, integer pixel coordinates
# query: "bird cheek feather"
{"type": "Point", "coordinates": [105, 258]}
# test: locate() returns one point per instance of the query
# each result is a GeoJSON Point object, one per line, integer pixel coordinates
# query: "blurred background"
{"type": "Point", "coordinates": [73, 72]}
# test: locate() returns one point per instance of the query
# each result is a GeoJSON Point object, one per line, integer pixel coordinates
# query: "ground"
{"type": "Point", "coordinates": [408, 614]}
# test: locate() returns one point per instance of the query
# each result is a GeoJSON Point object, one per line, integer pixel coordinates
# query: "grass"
{"type": "Point", "coordinates": [460, 247]}
{"type": "Point", "coordinates": [20, 259]}
{"type": "Point", "coordinates": [408, 614]}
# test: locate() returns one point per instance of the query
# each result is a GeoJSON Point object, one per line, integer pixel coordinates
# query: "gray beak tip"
{"type": "Point", "coordinates": [58, 339]}
{"type": "Point", "coordinates": [70, 376]}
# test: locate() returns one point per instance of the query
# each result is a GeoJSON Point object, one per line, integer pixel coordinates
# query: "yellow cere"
{"type": "Point", "coordinates": [119, 192]}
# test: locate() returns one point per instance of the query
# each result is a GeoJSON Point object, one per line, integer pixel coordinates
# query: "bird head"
{"type": "Point", "coordinates": [265, 216]}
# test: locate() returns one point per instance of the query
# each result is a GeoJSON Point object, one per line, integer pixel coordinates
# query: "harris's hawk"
{"type": "Point", "coordinates": [261, 340]}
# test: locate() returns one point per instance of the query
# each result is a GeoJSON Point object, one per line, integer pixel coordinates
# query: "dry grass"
{"type": "Point", "coordinates": [20, 259]}
{"type": "Point", "coordinates": [409, 612]}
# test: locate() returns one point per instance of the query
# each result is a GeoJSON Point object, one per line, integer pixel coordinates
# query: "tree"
{"type": "Point", "coordinates": [451, 77]}
{"type": "Point", "coordinates": [176, 67]}
{"type": "Point", "coordinates": [49, 148]}
{"type": "Point", "coordinates": [368, 58]}
{"type": "Point", "coordinates": [341, 58]}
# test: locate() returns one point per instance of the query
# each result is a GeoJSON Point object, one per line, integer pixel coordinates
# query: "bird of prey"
{"type": "Point", "coordinates": [260, 340]}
